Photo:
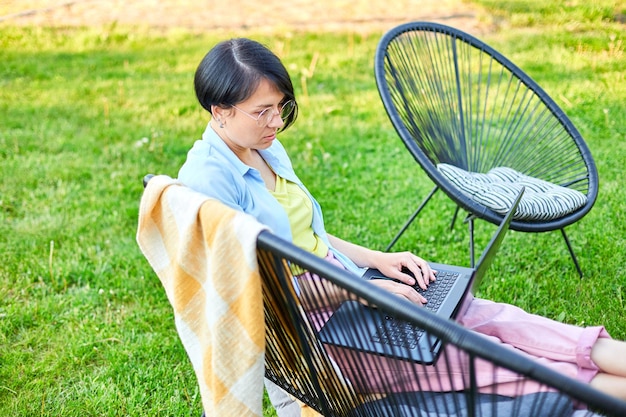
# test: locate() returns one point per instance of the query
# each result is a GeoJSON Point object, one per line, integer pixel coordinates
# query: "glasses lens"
{"type": "Point", "coordinates": [265, 117]}
{"type": "Point", "coordinates": [287, 109]}
{"type": "Point", "coordinates": [268, 114]}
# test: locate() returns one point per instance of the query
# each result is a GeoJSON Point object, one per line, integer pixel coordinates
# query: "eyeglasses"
{"type": "Point", "coordinates": [266, 116]}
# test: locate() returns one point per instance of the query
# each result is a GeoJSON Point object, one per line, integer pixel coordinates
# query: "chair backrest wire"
{"type": "Point", "coordinates": [464, 107]}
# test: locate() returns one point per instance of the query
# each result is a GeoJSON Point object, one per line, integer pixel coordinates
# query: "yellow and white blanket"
{"type": "Point", "coordinates": [204, 253]}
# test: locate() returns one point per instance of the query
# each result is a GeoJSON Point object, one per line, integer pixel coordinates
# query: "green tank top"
{"type": "Point", "coordinates": [300, 213]}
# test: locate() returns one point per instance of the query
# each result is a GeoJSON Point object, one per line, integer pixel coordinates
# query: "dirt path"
{"type": "Point", "coordinates": [242, 15]}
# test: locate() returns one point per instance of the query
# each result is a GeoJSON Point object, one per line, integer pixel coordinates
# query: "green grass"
{"type": "Point", "coordinates": [85, 328]}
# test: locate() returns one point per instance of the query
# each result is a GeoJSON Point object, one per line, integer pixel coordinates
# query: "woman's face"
{"type": "Point", "coordinates": [241, 131]}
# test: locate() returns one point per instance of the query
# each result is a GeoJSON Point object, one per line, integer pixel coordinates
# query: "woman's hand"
{"type": "Point", "coordinates": [400, 289]}
{"type": "Point", "coordinates": [405, 267]}
{"type": "Point", "coordinates": [409, 270]}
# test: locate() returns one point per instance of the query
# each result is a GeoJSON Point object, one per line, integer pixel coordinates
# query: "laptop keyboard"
{"type": "Point", "coordinates": [438, 289]}
{"type": "Point", "coordinates": [399, 333]}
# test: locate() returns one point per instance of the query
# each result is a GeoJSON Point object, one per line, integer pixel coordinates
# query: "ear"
{"type": "Point", "coordinates": [220, 113]}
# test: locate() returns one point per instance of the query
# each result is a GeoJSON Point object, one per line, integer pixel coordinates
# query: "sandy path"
{"type": "Point", "coordinates": [258, 15]}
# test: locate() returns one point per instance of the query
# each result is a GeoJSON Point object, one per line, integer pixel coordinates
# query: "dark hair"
{"type": "Point", "coordinates": [232, 70]}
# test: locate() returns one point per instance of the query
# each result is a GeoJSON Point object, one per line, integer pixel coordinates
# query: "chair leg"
{"type": "Point", "coordinates": [454, 216]}
{"type": "Point", "coordinates": [408, 223]}
{"type": "Point", "coordinates": [470, 220]}
{"type": "Point", "coordinates": [572, 254]}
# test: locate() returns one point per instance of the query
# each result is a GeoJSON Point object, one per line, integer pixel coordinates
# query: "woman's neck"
{"type": "Point", "coordinates": [246, 155]}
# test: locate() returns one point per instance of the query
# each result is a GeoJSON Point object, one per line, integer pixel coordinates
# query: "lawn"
{"type": "Point", "coordinates": [86, 329]}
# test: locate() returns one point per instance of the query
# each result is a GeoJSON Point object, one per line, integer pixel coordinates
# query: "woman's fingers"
{"type": "Point", "coordinates": [419, 270]}
{"type": "Point", "coordinates": [400, 289]}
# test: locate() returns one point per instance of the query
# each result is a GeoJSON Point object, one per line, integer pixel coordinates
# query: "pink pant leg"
{"type": "Point", "coordinates": [538, 336]}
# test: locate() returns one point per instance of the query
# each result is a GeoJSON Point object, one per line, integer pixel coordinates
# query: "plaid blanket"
{"type": "Point", "coordinates": [204, 253]}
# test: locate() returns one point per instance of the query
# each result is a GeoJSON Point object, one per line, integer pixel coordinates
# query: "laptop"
{"type": "Point", "coordinates": [356, 326]}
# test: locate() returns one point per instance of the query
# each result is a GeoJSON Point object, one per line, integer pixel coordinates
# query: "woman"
{"type": "Point", "coordinates": [239, 161]}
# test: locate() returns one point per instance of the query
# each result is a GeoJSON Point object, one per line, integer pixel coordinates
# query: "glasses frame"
{"type": "Point", "coordinates": [270, 116]}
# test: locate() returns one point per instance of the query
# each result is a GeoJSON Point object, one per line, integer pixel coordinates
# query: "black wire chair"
{"type": "Point", "coordinates": [300, 291]}
{"type": "Point", "coordinates": [454, 100]}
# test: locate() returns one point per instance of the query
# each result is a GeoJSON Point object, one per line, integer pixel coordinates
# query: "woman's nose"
{"type": "Point", "coordinates": [276, 120]}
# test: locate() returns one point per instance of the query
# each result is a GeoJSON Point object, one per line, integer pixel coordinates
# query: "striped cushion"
{"type": "Point", "coordinates": [498, 188]}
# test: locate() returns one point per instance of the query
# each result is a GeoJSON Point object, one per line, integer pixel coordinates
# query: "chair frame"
{"type": "Point", "coordinates": [475, 209]}
{"type": "Point", "coordinates": [276, 256]}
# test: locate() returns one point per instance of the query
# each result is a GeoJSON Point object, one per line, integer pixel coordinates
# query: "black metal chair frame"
{"type": "Point", "coordinates": [458, 48]}
{"type": "Point", "coordinates": [299, 363]}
